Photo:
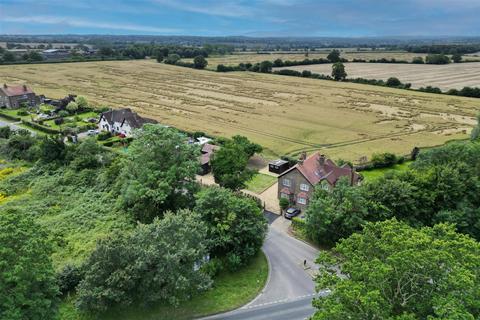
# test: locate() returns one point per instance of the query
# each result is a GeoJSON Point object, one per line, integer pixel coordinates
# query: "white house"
{"type": "Point", "coordinates": [122, 121]}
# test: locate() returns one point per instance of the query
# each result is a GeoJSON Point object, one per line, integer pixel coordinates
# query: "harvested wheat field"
{"type": "Point", "coordinates": [237, 58]}
{"type": "Point", "coordinates": [448, 76]}
{"type": "Point", "coordinates": [284, 114]}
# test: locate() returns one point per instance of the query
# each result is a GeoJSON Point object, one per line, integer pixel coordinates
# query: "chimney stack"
{"type": "Point", "coordinates": [24, 87]}
{"type": "Point", "coordinates": [302, 158]}
{"type": "Point", "coordinates": [5, 86]}
{"type": "Point", "coordinates": [321, 160]}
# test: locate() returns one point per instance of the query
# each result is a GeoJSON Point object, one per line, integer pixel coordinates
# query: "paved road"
{"type": "Point", "coordinates": [290, 288]}
{"type": "Point", "coordinates": [299, 309]}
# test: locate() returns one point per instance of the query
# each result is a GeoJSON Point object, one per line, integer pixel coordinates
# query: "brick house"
{"type": "Point", "coordinates": [297, 183]}
{"type": "Point", "coordinates": [14, 96]}
{"type": "Point", "coordinates": [122, 121]}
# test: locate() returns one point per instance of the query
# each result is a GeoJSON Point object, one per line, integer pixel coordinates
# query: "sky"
{"type": "Point", "coordinates": [306, 18]}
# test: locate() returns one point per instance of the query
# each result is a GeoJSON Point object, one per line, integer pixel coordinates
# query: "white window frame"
{"type": "Point", "coordinates": [304, 187]}
{"type": "Point", "coordinates": [284, 195]}
{"type": "Point", "coordinates": [302, 201]}
{"type": "Point", "coordinates": [286, 182]}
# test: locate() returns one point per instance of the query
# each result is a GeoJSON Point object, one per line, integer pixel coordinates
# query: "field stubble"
{"type": "Point", "coordinates": [284, 114]}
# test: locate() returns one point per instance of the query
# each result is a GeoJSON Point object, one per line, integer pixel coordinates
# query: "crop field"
{"type": "Point", "coordinates": [237, 58]}
{"type": "Point", "coordinates": [448, 76]}
{"type": "Point", "coordinates": [284, 114]}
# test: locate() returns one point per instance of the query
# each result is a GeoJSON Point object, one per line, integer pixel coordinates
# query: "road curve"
{"type": "Point", "coordinates": [290, 288]}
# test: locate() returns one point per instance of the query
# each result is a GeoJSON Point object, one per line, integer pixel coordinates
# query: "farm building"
{"type": "Point", "coordinates": [55, 54]}
{"type": "Point", "coordinates": [122, 121]}
{"type": "Point", "coordinates": [15, 96]}
{"type": "Point", "coordinates": [297, 184]}
{"type": "Point", "coordinates": [207, 152]}
{"type": "Point", "coordinates": [278, 166]}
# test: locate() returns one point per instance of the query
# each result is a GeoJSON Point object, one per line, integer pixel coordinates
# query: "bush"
{"type": "Point", "coordinates": [393, 82]}
{"type": "Point", "coordinates": [22, 113]}
{"type": "Point", "coordinates": [58, 121]}
{"type": "Point", "coordinates": [63, 113]}
{"type": "Point", "coordinates": [384, 160]}
{"type": "Point", "coordinates": [5, 132]}
{"type": "Point", "coordinates": [68, 278]}
{"type": "Point", "coordinates": [104, 135]}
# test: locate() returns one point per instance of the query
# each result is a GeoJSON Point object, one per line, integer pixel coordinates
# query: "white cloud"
{"type": "Point", "coordinates": [75, 22]}
{"type": "Point", "coordinates": [215, 8]}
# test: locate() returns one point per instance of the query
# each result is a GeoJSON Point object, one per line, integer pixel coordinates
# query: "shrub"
{"type": "Point", "coordinates": [63, 113]}
{"type": "Point", "coordinates": [58, 121]}
{"type": "Point", "coordinates": [104, 135]}
{"type": "Point", "coordinates": [393, 82]}
{"type": "Point", "coordinates": [384, 160]}
{"type": "Point", "coordinates": [68, 278]}
{"type": "Point", "coordinates": [22, 113]}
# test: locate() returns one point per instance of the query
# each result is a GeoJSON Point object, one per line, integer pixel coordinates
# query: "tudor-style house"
{"type": "Point", "coordinates": [297, 183]}
{"type": "Point", "coordinates": [14, 96]}
{"type": "Point", "coordinates": [122, 121]}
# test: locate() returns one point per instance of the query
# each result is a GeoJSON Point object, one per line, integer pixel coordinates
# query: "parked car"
{"type": "Point", "coordinates": [92, 132]}
{"type": "Point", "coordinates": [292, 212]}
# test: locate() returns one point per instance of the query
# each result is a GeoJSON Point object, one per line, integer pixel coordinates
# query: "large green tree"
{"type": "Point", "coordinates": [28, 288]}
{"type": "Point", "coordinates": [229, 166]}
{"type": "Point", "coordinates": [338, 71]}
{"type": "Point", "coordinates": [393, 271]}
{"type": "Point", "coordinates": [199, 62]}
{"type": "Point", "coordinates": [249, 147]}
{"type": "Point", "coordinates": [158, 173]}
{"type": "Point", "coordinates": [336, 214]}
{"type": "Point", "coordinates": [157, 262]}
{"type": "Point", "coordinates": [334, 56]}
{"type": "Point", "coordinates": [236, 225]}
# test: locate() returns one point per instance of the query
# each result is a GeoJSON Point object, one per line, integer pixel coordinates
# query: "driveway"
{"type": "Point", "coordinates": [290, 287]}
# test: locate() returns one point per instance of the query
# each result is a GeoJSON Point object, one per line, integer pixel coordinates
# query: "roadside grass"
{"type": "Point", "coordinates": [371, 175]}
{"type": "Point", "coordinates": [260, 182]}
{"type": "Point", "coordinates": [231, 290]}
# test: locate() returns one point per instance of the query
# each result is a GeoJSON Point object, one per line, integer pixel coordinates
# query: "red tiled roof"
{"type": "Point", "coordinates": [285, 190]}
{"type": "Point", "coordinates": [209, 148]}
{"type": "Point", "coordinates": [207, 151]}
{"type": "Point", "coordinates": [18, 90]}
{"type": "Point", "coordinates": [314, 172]}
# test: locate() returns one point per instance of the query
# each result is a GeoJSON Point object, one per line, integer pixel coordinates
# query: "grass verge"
{"type": "Point", "coordinates": [231, 290]}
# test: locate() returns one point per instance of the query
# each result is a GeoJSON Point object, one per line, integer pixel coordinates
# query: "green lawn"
{"type": "Point", "coordinates": [231, 290]}
{"type": "Point", "coordinates": [260, 182]}
{"type": "Point", "coordinates": [13, 113]}
{"type": "Point", "coordinates": [370, 175]}
{"type": "Point", "coordinates": [51, 123]}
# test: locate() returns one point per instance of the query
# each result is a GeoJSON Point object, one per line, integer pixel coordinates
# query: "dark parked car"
{"type": "Point", "coordinates": [291, 212]}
